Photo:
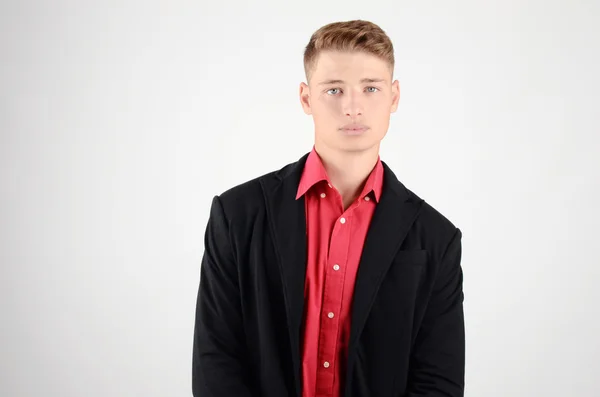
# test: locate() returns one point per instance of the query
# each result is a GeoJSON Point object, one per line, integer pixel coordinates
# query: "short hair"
{"type": "Point", "coordinates": [356, 35]}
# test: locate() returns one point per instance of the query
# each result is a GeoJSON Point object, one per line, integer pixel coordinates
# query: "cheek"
{"type": "Point", "coordinates": [380, 109]}
{"type": "Point", "coordinates": [325, 105]}
{"type": "Point", "coordinates": [323, 110]}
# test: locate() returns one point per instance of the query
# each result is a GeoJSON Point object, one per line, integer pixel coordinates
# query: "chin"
{"type": "Point", "coordinates": [356, 145]}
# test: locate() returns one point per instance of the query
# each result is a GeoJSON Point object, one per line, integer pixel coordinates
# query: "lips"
{"type": "Point", "coordinates": [354, 128]}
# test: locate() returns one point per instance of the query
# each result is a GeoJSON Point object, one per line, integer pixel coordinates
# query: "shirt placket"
{"type": "Point", "coordinates": [332, 304]}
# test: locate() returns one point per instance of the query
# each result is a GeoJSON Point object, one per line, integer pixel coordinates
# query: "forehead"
{"type": "Point", "coordinates": [336, 64]}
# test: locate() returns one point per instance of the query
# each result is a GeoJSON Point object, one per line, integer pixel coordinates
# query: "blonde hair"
{"type": "Point", "coordinates": [356, 35]}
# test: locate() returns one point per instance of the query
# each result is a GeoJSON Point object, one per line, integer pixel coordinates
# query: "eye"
{"type": "Point", "coordinates": [375, 89]}
{"type": "Point", "coordinates": [332, 89]}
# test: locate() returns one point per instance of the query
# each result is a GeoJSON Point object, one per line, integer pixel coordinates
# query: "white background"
{"type": "Point", "coordinates": [120, 120]}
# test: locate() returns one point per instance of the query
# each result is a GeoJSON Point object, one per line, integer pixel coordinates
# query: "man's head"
{"type": "Point", "coordinates": [349, 70]}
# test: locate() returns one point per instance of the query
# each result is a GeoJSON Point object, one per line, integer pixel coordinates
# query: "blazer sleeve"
{"type": "Point", "coordinates": [437, 362]}
{"type": "Point", "coordinates": [219, 366]}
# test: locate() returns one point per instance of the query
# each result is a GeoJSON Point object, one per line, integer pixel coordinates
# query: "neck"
{"type": "Point", "coordinates": [348, 171]}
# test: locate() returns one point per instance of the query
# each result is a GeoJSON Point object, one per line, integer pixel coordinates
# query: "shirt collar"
{"type": "Point", "coordinates": [314, 172]}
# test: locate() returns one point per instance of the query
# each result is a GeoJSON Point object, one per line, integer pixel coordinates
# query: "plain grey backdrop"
{"type": "Point", "coordinates": [120, 120]}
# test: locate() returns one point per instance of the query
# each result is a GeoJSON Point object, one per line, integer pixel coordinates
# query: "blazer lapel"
{"type": "Point", "coordinates": [391, 221]}
{"type": "Point", "coordinates": [287, 220]}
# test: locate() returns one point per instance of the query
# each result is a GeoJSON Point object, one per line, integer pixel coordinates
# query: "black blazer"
{"type": "Point", "coordinates": [407, 331]}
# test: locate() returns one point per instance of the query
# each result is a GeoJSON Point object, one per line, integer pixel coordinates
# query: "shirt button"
{"type": "Point", "coordinates": [326, 364]}
{"type": "Point", "coordinates": [343, 220]}
{"type": "Point", "coordinates": [367, 198]}
{"type": "Point", "coordinates": [323, 195]}
{"type": "Point", "coordinates": [330, 315]}
{"type": "Point", "coordinates": [336, 267]}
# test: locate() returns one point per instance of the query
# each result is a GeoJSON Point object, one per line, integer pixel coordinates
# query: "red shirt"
{"type": "Point", "coordinates": [335, 242]}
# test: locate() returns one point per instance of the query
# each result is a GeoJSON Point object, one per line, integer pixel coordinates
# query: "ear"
{"type": "Point", "coordinates": [395, 96]}
{"type": "Point", "coordinates": [305, 98]}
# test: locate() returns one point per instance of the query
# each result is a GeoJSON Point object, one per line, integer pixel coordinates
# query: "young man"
{"type": "Point", "coordinates": [328, 277]}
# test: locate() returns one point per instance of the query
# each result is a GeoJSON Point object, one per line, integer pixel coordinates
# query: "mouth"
{"type": "Point", "coordinates": [354, 129]}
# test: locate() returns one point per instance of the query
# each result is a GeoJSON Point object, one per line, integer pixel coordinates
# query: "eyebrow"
{"type": "Point", "coordinates": [366, 80]}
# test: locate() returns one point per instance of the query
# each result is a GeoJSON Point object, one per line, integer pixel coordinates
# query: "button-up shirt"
{"type": "Point", "coordinates": [335, 241]}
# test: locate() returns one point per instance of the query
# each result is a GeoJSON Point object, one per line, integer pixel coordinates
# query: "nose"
{"type": "Point", "coordinates": [352, 105]}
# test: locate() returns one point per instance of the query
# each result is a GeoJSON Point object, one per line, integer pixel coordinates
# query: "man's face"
{"type": "Point", "coordinates": [350, 96]}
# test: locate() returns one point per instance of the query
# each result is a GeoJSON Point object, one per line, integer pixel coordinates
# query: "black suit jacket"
{"type": "Point", "coordinates": [407, 331]}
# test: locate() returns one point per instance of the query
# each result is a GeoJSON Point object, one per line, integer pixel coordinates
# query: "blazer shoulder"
{"type": "Point", "coordinates": [435, 219]}
{"type": "Point", "coordinates": [247, 197]}
{"type": "Point", "coordinates": [434, 226]}
{"type": "Point", "coordinates": [430, 221]}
